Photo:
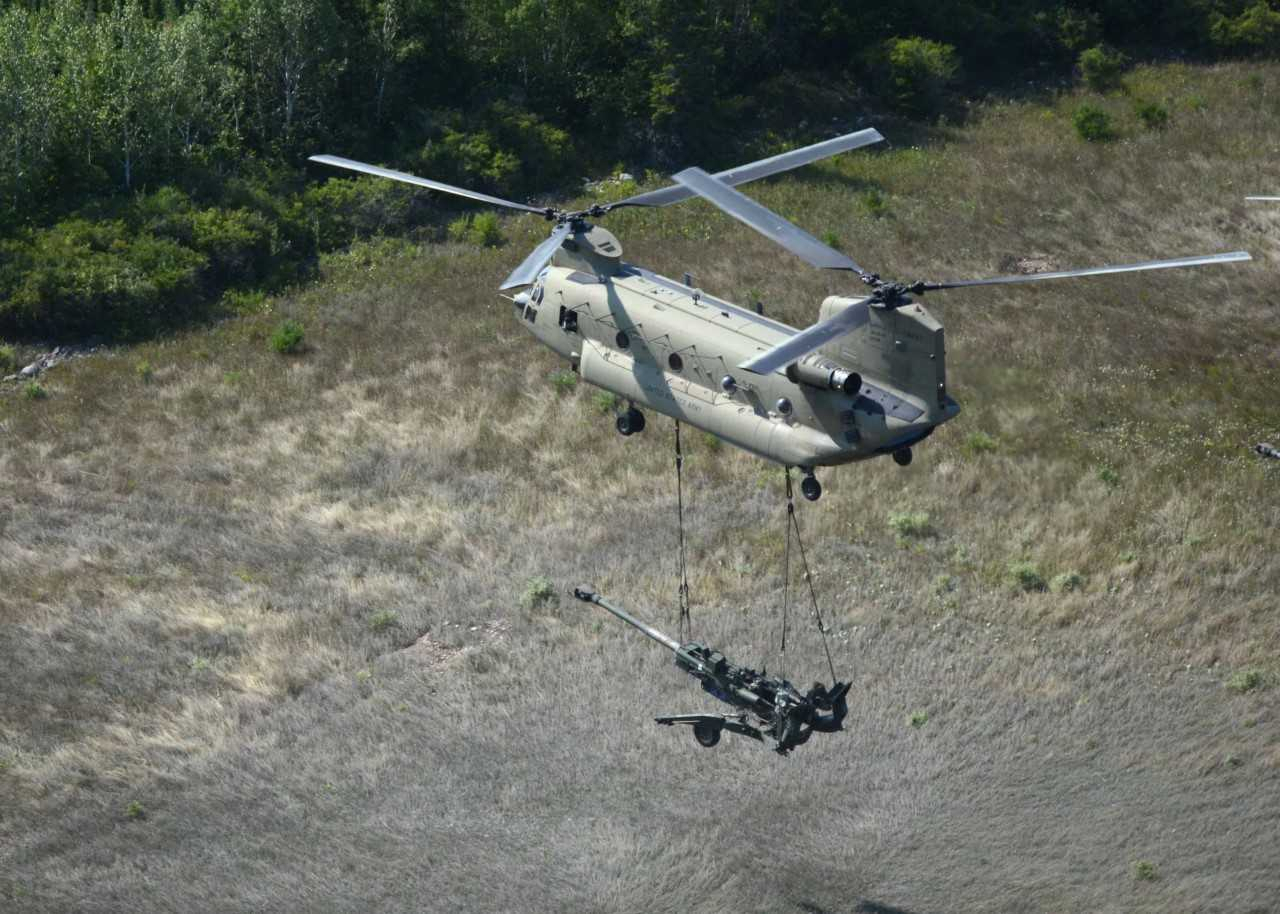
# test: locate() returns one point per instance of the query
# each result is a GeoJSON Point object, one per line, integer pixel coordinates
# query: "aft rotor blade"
{"type": "Point", "coordinates": [538, 258]}
{"type": "Point", "coordinates": [753, 171]}
{"type": "Point", "coordinates": [406, 178]}
{"type": "Point", "coordinates": [1233, 257]}
{"type": "Point", "coordinates": [804, 342]}
{"type": "Point", "coordinates": [765, 221]}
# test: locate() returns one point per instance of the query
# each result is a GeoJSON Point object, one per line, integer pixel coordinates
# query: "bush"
{"type": "Point", "coordinates": [1244, 680]}
{"type": "Point", "coordinates": [1067, 582]}
{"type": "Point", "coordinates": [979, 443]}
{"type": "Point", "coordinates": [538, 592]}
{"type": "Point", "coordinates": [605, 402]}
{"type": "Point", "coordinates": [564, 381]}
{"type": "Point", "coordinates": [1255, 31]}
{"type": "Point", "coordinates": [144, 371]}
{"type": "Point", "coordinates": [921, 71]}
{"type": "Point", "coordinates": [481, 229]}
{"type": "Point", "coordinates": [910, 523]}
{"type": "Point", "coordinates": [34, 390]}
{"type": "Point", "coordinates": [1093, 124]}
{"type": "Point", "coordinates": [502, 148]}
{"type": "Point", "coordinates": [1026, 576]}
{"type": "Point", "coordinates": [8, 359]}
{"type": "Point", "coordinates": [341, 210]}
{"type": "Point", "coordinates": [1145, 871]}
{"type": "Point", "coordinates": [287, 338]}
{"type": "Point", "coordinates": [918, 719]}
{"type": "Point", "coordinates": [1153, 115]}
{"type": "Point", "coordinates": [1101, 68]}
{"type": "Point", "coordinates": [82, 277]}
{"type": "Point", "coordinates": [383, 620]}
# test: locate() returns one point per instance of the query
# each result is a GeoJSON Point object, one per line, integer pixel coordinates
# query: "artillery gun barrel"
{"type": "Point", "coordinates": [588, 595]}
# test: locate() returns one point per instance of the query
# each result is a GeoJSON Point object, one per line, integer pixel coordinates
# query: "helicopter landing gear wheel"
{"type": "Point", "coordinates": [810, 488]}
{"type": "Point", "coordinates": [631, 422]}
{"type": "Point", "coordinates": [902, 456]}
{"type": "Point", "coordinates": [707, 734]}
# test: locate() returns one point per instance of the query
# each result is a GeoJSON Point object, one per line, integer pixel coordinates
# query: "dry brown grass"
{"type": "Point", "coordinates": [275, 601]}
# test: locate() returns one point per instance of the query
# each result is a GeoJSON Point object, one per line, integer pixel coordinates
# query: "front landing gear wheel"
{"type": "Point", "coordinates": [706, 734]}
{"type": "Point", "coordinates": [902, 456]}
{"type": "Point", "coordinates": [631, 422]}
{"type": "Point", "coordinates": [810, 488]}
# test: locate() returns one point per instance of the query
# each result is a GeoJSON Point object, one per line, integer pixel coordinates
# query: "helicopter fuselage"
{"type": "Point", "coordinates": [661, 344]}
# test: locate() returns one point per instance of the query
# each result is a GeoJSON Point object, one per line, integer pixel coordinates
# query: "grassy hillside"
{"type": "Point", "coordinates": [274, 637]}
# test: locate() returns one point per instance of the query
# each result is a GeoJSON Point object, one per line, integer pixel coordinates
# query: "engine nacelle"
{"type": "Point", "coordinates": [824, 374]}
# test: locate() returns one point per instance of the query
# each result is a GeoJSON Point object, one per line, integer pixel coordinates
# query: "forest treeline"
{"type": "Point", "coordinates": [152, 151]}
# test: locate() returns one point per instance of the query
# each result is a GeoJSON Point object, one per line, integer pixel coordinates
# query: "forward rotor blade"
{"type": "Point", "coordinates": [406, 178]}
{"type": "Point", "coordinates": [765, 221]}
{"type": "Point", "coordinates": [804, 342]}
{"type": "Point", "coordinates": [1265, 199]}
{"type": "Point", "coordinates": [761, 169]}
{"type": "Point", "coordinates": [538, 258]}
{"type": "Point", "coordinates": [1233, 257]}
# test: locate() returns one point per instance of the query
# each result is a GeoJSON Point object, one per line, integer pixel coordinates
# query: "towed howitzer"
{"type": "Point", "coordinates": [771, 706]}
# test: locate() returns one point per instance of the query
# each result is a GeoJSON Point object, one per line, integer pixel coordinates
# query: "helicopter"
{"type": "Point", "coordinates": [868, 379]}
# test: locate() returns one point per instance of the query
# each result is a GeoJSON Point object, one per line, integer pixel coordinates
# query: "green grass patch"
{"type": "Point", "coordinates": [384, 620]}
{"type": "Point", "coordinates": [918, 719]}
{"type": "Point", "coordinates": [34, 390]}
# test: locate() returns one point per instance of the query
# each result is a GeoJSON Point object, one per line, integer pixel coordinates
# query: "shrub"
{"type": "Point", "coordinates": [383, 620]}
{"type": "Point", "coordinates": [1244, 680]}
{"type": "Point", "coordinates": [1256, 30]}
{"type": "Point", "coordinates": [135, 811]}
{"type": "Point", "coordinates": [979, 443]}
{"type": "Point", "coordinates": [918, 719]}
{"type": "Point", "coordinates": [1101, 68]}
{"type": "Point", "coordinates": [1109, 477]}
{"type": "Point", "coordinates": [1092, 124]}
{"type": "Point", "coordinates": [34, 390]}
{"type": "Point", "coordinates": [8, 359]}
{"type": "Point", "coordinates": [874, 202]}
{"type": "Point", "coordinates": [1067, 582]}
{"type": "Point", "coordinates": [538, 593]}
{"type": "Point", "coordinates": [1145, 871]}
{"type": "Point", "coordinates": [1026, 576]}
{"type": "Point", "coordinates": [910, 523]}
{"type": "Point", "coordinates": [564, 381]}
{"type": "Point", "coordinates": [287, 337]}
{"type": "Point", "coordinates": [341, 210]}
{"type": "Point", "coordinates": [84, 277]}
{"type": "Point", "coordinates": [921, 71]}
{"type": "Point", "coordinates": [1153, 115]}
{"type": "Point", "coordinates": [144, 371]}
{"type": "Point", "coordinates": [605, 401]}
{"type": "Point", "coordinates": [480, 229]}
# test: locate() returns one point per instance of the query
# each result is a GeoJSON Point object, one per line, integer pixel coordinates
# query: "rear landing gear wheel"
{"type": "Point", "coordinates": [706, 734]}
{"type": "Point", "coordinates": [631, 422]}
{"type": "Point", "coordinates": [810, 488]}
{"type": "Point", "coordinates": [902, 456]}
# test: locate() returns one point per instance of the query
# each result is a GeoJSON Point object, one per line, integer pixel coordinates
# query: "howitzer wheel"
{"type": "Point", "coordinates": [706, 733]}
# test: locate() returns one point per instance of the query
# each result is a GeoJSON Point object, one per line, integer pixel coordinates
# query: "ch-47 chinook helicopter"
{"type": "Point", "coordinates": [868, 379]}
